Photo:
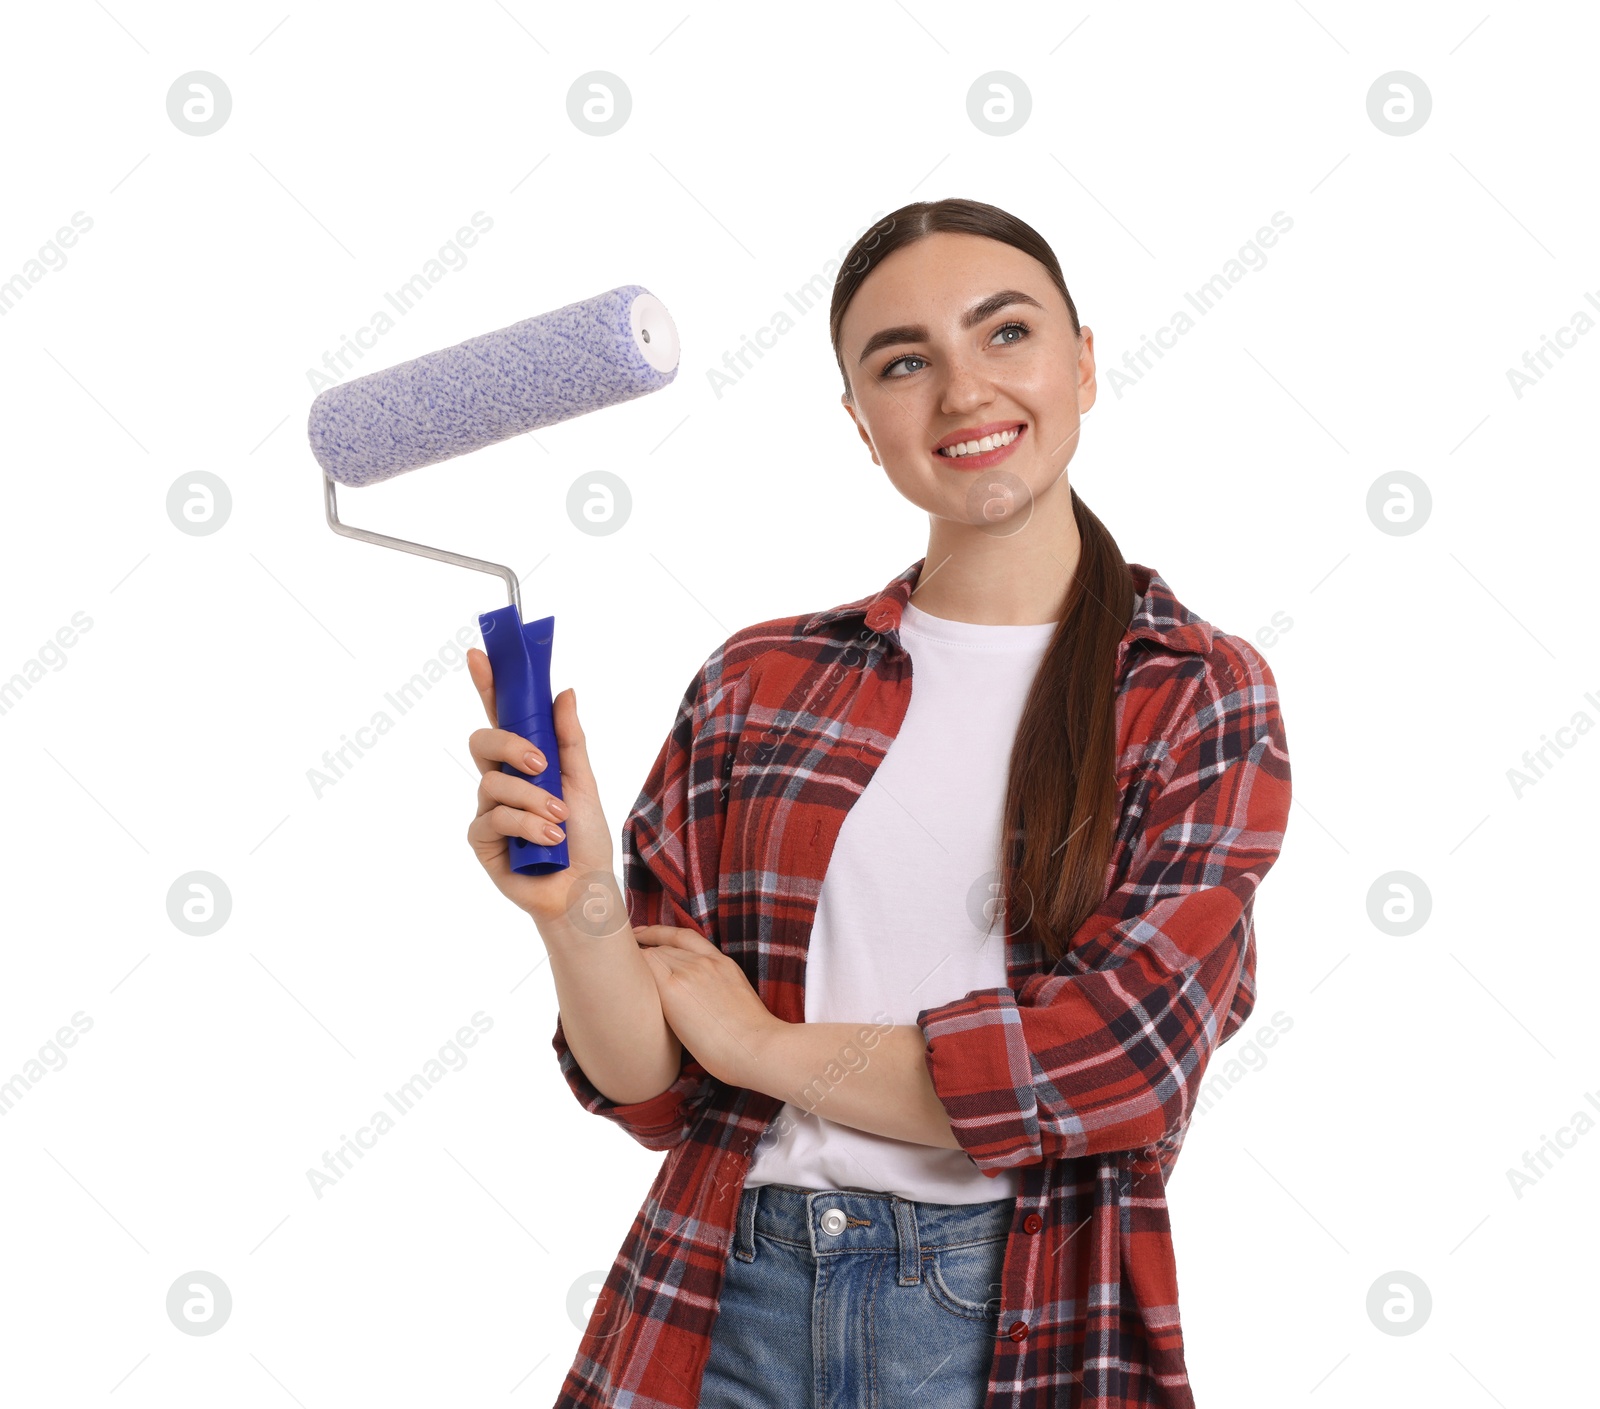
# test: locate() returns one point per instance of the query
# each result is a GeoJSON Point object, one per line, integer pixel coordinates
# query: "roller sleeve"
{"type": "Point", "coordinates": [598, 352]}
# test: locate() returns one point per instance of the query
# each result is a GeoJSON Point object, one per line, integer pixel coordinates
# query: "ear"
{"type": "Point", "coordinates": [1086, 371]}
{"type": "Point", "coordinates": [861, 430]}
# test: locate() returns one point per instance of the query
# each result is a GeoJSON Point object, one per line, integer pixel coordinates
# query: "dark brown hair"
{"type": "Point", "coordinates": [1061, 804]}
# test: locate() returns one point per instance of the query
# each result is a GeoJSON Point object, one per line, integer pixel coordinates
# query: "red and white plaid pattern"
{"type": "Point", "coordinates": [1082, 1076]}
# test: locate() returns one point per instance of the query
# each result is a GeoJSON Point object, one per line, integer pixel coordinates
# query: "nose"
{"type": "Point", "coordinates": [966, 384]}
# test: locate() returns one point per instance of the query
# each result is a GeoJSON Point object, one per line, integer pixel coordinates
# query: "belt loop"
{"type": "Point", "coordinates": [744, 1241]}
{"type": "Point", "coordinates": [905, 1222]}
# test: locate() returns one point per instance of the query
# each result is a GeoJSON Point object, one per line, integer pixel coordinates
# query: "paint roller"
{"type": "Point", "coordinates": [598, 352]}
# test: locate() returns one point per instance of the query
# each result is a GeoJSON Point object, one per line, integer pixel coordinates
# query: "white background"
{"type": "Point", "coordinates": [176, 734]}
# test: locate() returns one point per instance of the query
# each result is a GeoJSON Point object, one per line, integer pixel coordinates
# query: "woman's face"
{"type": "Point", "coordinates": [955, 366]}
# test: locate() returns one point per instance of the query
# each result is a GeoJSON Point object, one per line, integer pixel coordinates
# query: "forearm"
{"type": "Point", "coordinates": [840, 1072]}
{"type": "Point", "coordinates": [611, 1012]}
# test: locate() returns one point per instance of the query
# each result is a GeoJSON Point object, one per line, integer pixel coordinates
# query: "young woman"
{"type": "Point", "coordinates": [922, 983]}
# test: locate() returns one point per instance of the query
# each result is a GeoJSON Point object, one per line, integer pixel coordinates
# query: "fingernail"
{"type": "Point", "coordinates": [534, 762]}
{"type": "Point", "coordinates": [558, 808]}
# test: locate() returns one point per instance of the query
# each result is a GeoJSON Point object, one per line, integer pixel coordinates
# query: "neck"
{"type": "Point", "coordinates": [1006, 573]}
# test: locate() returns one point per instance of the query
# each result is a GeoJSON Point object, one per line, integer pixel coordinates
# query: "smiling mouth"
{"type": "Point", "coordinates": [983, 451]}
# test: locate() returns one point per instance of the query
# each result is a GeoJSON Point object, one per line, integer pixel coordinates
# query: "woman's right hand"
{"type": "Point", "coordinates": [513, 807]}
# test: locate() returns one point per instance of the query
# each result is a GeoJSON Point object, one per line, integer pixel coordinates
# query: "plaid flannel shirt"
{"type": "Point", "coordinates": [1081, 1075]}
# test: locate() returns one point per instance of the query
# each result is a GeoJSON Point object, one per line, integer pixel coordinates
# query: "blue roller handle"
{"type": "Point", "coordinates": [520, 656]}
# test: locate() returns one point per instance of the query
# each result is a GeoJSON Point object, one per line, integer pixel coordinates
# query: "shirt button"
{"type": "Point", "coordinates": [1032, 1223]}
{"type": "Point", "coordinates": [833, 1222]}
{"type": "Point", "coordinates": [1019, 1329]}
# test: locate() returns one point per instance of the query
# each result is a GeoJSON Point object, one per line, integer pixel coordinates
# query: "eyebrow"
{"type": "Point", "coordinates": [915, 332]}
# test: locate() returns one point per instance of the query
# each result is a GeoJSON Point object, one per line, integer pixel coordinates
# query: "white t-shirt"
{"type": "Point", "coordinates": [894, 931]}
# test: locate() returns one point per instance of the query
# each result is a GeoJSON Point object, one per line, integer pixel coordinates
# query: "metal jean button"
{"type": "Point", "coordinates": [833, 1222]}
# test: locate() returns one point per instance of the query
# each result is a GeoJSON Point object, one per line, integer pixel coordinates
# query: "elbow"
{"type": "Point", "coordinates": [1152, 1119]}
{"type": "Point", "coordinates": [1157, 1120]}
{"type": "Point", "coordinates": [661, 1140]}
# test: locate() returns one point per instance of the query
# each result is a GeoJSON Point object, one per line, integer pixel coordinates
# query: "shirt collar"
{"type": "Point", "coordinates": [1159, 616]}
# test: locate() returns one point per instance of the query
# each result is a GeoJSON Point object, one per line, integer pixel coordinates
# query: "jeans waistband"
{"type": "Point", "coordinates": [834, 1221]}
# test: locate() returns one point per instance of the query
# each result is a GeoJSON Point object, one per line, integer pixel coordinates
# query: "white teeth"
{"type": "Point", "coordinates": [977, 447]}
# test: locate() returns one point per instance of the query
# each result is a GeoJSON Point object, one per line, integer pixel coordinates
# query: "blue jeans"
{"type": "Point", "coordinates": [844, 1299]}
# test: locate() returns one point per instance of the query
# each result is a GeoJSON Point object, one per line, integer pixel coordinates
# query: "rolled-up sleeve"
{"type": "Point", "coordinates": [1108, 1049]}
{"type": "Point", "coordinates": [671, 842]}
{"type": "Point", "coordinates": [658, 1123]}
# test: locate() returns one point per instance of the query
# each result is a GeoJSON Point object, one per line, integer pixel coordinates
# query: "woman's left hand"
{"type": "Point", "coordinates": [708, 1002]}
